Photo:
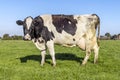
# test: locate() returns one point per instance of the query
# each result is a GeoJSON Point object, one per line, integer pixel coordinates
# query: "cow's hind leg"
{"type": "Point", "coordinates": [88, 52]}
{"type": "Point", "coordinates": [96, 52]}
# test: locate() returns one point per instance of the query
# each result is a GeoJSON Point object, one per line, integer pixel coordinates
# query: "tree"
{"type": "Point", "coordinates": [108, 35]}
{"type": "Point", "coordinates": [14, 37]}
{"type": "Point", "coordinates": [6, 37]}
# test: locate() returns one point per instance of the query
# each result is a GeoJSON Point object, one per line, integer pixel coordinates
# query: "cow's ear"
{"type": "Point", "coordinates": [38, 21]}
{"type": "Point", "coordinates": [19, 22]}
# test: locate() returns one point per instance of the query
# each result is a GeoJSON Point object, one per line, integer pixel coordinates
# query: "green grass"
{"type": "Point", "coordinates": [20, 60]}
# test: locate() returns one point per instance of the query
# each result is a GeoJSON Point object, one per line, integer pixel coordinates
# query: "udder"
{"type": "Point", "coordinates": [81, 43]}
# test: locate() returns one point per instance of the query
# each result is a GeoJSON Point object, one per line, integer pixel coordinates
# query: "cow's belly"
{"type": "Point", "coordinates": [65, 41]}
{"type": "Point", "coordinates": [72, 42]}
{"type": "Point", "coordinates": [69, 40]}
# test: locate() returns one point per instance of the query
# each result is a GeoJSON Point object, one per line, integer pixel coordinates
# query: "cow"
{"type": "Point", "coordinates": [67, 30]}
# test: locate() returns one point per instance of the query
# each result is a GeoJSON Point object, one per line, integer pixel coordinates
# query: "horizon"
{"type": "Point", "coordinates": [13, 10]}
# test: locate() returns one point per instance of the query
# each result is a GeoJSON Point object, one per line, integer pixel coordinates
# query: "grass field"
{"type": "Point", "coordinates": [20, 60]}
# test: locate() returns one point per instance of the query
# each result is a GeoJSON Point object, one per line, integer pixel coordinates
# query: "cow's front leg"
{"type": "Point", "coordinates": [41, 46]}
{"type": "Point", "coordinates": [50, 46]}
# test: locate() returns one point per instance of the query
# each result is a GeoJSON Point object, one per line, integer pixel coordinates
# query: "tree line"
{"type": "Point", "coordinates": [108, 36]}
{"type": "Point", "coordinates": [14, 37]}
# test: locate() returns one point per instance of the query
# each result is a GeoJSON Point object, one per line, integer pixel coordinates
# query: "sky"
{"type": "Point", "coordinates": [13, 10]}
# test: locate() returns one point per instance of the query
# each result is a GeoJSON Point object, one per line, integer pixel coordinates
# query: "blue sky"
{"type": "Point", "coordinates": [12, 10]}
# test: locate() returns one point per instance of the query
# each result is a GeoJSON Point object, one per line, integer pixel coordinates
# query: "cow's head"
{"type": "Point", "coordinates": [27, 28]}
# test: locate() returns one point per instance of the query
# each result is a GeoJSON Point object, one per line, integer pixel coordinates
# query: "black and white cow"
{"type": "Point", "coordinates": [67, 30]}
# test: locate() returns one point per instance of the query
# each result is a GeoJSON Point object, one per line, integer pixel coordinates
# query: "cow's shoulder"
{"type": "Point", "coordinates": [47, 35]}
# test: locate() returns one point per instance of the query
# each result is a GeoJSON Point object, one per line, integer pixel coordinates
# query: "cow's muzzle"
{"type": "Point", "coordinates": [27, 37]}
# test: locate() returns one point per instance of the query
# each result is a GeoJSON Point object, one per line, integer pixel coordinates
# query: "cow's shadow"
{"type": "Point", "coordinates": [58, 56]}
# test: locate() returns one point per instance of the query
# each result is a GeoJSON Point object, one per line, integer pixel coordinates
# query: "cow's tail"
{"type": "Point", "coordinates": [97, 27]}
{"type": "Point", "coordinates": [98, 34]}
{"type": "Point", "coordinates": [98, 38]}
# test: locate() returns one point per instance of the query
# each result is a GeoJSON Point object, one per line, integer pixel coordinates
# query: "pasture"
{"type": "Point", "coordinates": [20, 60]}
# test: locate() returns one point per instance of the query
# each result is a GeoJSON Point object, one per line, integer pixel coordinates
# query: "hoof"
{"type": "Point", "coordinates": [54, 64]}
{"type": "Point", "coordinates": [42, 64]}
{"type": "Point", "coordinates": [96, 62]}
{"type": "Point", "coordinates": [82, 64]}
